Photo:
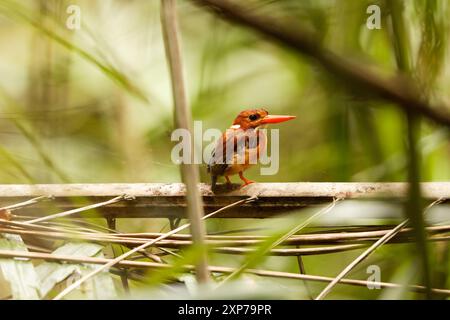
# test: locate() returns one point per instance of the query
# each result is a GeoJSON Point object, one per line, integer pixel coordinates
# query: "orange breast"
{"type": "Point", "coordinates": [249, 156]}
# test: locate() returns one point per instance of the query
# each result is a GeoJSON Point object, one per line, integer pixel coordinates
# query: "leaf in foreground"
{"type": "Point", "coordinates": [52, 273]}
{"type": "Point", "coordinates": [20, 274]}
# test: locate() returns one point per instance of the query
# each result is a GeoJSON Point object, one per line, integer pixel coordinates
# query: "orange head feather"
{"type": "Point", "coordinates": [254, 118]}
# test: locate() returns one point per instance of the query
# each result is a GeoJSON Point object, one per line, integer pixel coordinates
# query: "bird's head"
{"type": "Point", "coordinates": [257, 117]}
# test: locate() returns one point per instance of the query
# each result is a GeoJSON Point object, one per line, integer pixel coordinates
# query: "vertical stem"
{"type": "Point", "coordinates": [111, 221]}
{"type": "Point", "coordinates": [414, 206]}
{"type": "Point", "coordinates": [182, 114]}
{"type": "Point", "coordinates": [302, 270]}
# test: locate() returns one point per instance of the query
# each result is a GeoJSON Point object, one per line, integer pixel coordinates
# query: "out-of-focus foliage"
{"type": "Point", "coordinates": [94, 104]}
{"type": "Point", "coordinates": [77, 95]}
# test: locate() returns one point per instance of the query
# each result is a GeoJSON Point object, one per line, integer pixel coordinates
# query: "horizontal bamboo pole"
{"type": "Point", "coordinates": [157, 200]}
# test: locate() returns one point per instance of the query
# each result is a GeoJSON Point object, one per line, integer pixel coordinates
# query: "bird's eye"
{"type": "Point", "coordinates": [253, 117]}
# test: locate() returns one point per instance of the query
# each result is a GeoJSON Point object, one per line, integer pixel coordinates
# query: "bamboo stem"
{"type": "Point", "coordinates": [414, 206]}
{"type": "Point", "coordinates": [182, 114]}
{"type": "Point", "coordinates": [165, 200]}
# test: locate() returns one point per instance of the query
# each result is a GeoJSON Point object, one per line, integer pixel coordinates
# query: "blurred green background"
{"type": "Point", "coordinates": [109, 118]}
{"type": "Point", "coordinates": [94, 105]}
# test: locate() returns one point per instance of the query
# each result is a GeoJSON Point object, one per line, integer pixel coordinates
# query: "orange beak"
{"type": "Point", "coordinates": [276, 119]}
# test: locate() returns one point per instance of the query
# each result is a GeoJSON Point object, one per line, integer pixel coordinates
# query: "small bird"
{"type": "Point", "coordinates": [241, 145]}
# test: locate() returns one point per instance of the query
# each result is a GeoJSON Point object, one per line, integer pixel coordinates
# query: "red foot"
{"type": "Point", "coordinates": [246, 181]}
{"type": "Point", "coordinates": [246, 184]}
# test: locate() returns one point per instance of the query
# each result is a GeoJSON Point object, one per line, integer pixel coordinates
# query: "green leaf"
{"type": "Point", "coordinates": [52, 273]}
{"type": "Point", "coordinates": [20, 274]}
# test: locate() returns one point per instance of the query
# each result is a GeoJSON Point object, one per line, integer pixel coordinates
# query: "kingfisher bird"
{"type": "Point", "coordinates": [241, 145]}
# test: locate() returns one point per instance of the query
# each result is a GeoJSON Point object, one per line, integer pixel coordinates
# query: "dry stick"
{"type": "Point", "coordinates": [16, 225]}
{"type": "Point", "coordinates": [176, 241]}
{"type": "Point", "coordinates": [79, 224]}
{"type": "Point", "coordinates": [397, 90]}
{"type": "Point", "coordinates": [70, 212]}
{"type": "Point", "coordinates": [170, 252]}
{"type": "Point", "coordinates": [296, 239]}
{"type": "Point", "coordinates": [186, 239]}
{"type": "Point", "coordinates": [26, 203]}
{"type": "Point", "coordinates": [388, 236]}
{"type": "Point", "coordinates": [264, 273]}
{"type": "Point", "coordinates": [302, 193]}
{"type": "Point", "coordinates": [293, 252]}
{"type": "Point", "coordinates": [93, 237]}
{"type": "Point", "coordinates": [163, 200]}
{"type": "Point", "coordinates": [182, 114]}
{"type": "Point", "coordinates": [224, 250]}
{"type": "Point", "coordinates": [141, 247]}
{"type": "Point", "coordinates": [54, 233]}
{"type": "Point", "coordinates": [215, 246]}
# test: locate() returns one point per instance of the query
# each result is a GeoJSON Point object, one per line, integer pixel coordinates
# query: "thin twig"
{"type": "Point", "coordinates": [23, 225]}
{"type": "Point", "coordinates": [70, 212]}
{"type": "Point", "coordinates": [293, 252]}
{"type": "Point", "coordinates": [216, 246]}
{"type": "Point", "coordinates": [175, 241]}
{"type": "Point", "coordinates": [141, 247]}
{"type": "Point", "coordinates": [307, 238]}
{"type": "Point", "coordinates": [26, 203]}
